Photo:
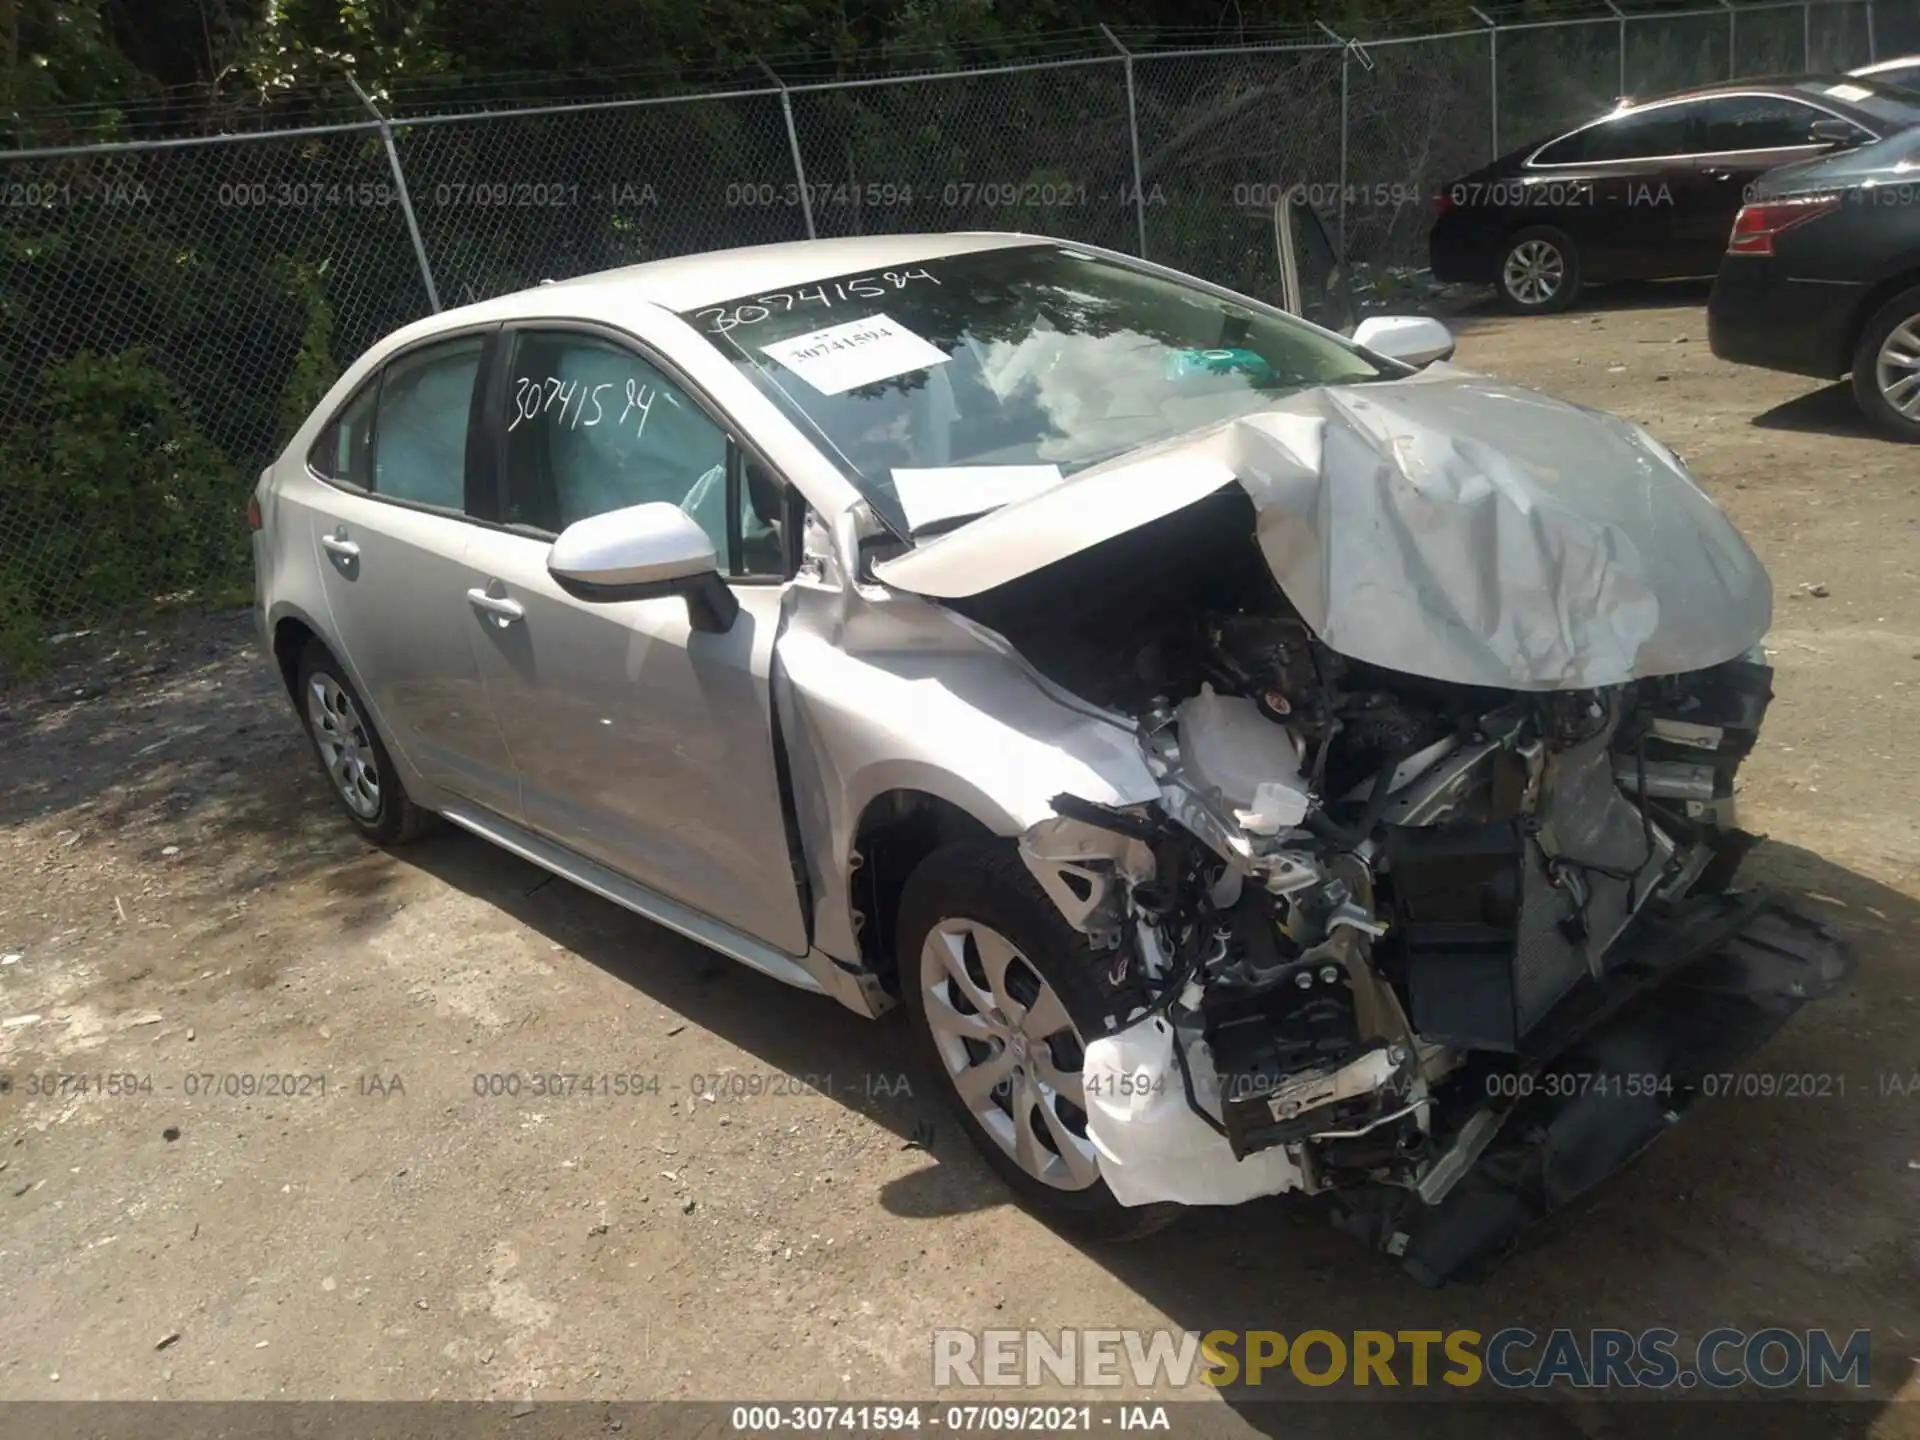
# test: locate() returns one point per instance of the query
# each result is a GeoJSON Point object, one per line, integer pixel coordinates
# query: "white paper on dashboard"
{"type": "Point", "coordinates": [854, 352]}
{"type": "Point", "coordinates": [929, 496]}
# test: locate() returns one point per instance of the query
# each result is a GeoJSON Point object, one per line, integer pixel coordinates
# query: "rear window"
{"type": "Point", "coordinates": [344, 451]}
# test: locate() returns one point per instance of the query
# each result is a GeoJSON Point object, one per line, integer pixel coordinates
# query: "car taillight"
{"type": "Point", "coordinates": [1442, 203]}
{"type": "Point", "coordinates": [1756, 225]}
{"type": "Point", "coordinates": [253, 512]}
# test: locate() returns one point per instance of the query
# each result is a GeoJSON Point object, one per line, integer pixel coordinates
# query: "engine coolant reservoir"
{"type": "Point", "coordinates": [1229, 746]}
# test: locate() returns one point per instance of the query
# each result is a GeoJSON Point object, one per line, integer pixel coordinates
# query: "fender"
{"type": "Point", "coordinates": [881, 691]}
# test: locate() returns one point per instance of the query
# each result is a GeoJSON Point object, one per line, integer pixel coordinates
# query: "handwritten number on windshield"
{"type": "Point", "coordinates": [780, 302]}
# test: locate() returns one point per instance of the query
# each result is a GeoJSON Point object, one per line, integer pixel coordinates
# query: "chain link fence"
{"type": "Point", "coordinates": [169, 310]}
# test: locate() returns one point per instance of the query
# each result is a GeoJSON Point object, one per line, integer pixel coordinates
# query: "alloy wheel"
{"type": "Point", "coordinates": [1896, 370]}
{"type": "Point", "coordinates": [1534, 272]}
{"type": "Point", "coordinates": [346, 744]}
{"type": "Point", "coordinates": [1010, 1049]}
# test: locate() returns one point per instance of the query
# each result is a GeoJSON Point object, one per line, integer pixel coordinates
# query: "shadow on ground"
{"type": "Point", "coordinates": [1830, 410]}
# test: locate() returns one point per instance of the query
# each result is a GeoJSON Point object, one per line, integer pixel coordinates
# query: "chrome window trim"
{"type": "Point", "coordinates": [1532, 162]}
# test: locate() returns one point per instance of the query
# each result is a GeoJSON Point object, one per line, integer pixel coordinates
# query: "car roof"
{"type": "Point", "coordinates": [1813, 85]}
{"type": "Point", "coordinates": [1881, 67]}
{"type": "Point", "coordinates": [686, 282]}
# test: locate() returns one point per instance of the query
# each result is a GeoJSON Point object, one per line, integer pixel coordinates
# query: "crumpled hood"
{"type": "Point", "coordinates": [1447, 526]}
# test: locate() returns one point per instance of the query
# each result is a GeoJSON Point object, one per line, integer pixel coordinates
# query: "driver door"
{"type": "Point", "coordinates": [640, 742]}
{"type": "Point", "coordinates": [1313, 275]}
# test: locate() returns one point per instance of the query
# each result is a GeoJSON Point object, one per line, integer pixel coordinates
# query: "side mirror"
{"type": "Point", "coordinates": [644, 552]}
{"type": "Point", "coordinates": [1832, 131]}
{"type": "Point", "coordinates": [1411, 339]}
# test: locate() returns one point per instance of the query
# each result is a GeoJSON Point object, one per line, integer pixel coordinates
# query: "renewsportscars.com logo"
{"type": "Point", "coordinates": [1513, 1358]}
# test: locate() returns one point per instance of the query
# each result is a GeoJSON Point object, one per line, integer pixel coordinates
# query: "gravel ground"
{"type": "Point", "coordinates": [180, 903]}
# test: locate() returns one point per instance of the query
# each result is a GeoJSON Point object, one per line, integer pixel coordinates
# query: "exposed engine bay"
{"type": "Point", "coordinates": [1448, 954]}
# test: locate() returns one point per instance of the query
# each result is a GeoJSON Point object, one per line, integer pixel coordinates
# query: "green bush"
{"type": "Point", "coordinates": [110, 496]}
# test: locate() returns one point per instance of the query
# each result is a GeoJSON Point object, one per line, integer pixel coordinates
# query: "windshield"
{"type": "Point", "coordinates": [967, 382]}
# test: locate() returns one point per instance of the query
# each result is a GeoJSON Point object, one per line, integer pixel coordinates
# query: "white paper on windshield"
{"type": "Point", "coordinates": [929, 496]}
{"type": "Point", "coordinates": [854, 352]}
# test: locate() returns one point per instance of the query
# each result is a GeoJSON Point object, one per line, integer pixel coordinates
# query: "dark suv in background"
{"type": "Point", "coordinates": [1822, 277]}
{"type": "Point", "coordinates": [1649, 190]}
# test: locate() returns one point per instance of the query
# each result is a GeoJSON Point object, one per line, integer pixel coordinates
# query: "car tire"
{"type": "Point", "coordinates": [1881, 384]}
{"type": "Point", "coordinates": [1538, 272]}
{"type": "Point", "coordinates": [959, 907]}
{"type": "Point", "coordinates": [353, 758]}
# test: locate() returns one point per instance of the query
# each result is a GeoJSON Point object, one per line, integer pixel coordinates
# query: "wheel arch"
{"type": "Point", "coordinates": [290, 630]}
{"type": "Point", "coordinates": [1869, 305]}
{"type": "Point", "coordinates": [897, 829]}
{"type": "Point", "coordinates": [291, 636]}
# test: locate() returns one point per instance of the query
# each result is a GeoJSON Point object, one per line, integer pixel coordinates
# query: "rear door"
{"type": "Point", "coordinates": [641, 743]}
{"type": "Point", "coordinates": [1743, 137]}
{"type": "Point", "coordinates": [390, 530]}
{"type": "Point", "coordinates": [1619, 187]}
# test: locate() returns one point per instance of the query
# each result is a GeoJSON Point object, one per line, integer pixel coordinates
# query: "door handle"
{"type": "Point", "coordinates": [504, 609]}
{"type": "Point", "coordinates": [340, 545]}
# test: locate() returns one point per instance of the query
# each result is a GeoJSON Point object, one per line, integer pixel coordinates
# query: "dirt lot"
{"type": "Point", "coordinates": [180, 902]}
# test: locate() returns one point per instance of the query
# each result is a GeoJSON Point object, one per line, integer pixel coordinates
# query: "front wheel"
{"type": "Point", "coordinates": [1539, 271]}
{"type": "Point", "coordinates": [998, 997]}
{"type": "Point", "coordinates": [1886, 367]}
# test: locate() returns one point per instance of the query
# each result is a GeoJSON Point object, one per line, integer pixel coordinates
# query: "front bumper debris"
{"type": "Point", "coordinates": [1696, 1003]}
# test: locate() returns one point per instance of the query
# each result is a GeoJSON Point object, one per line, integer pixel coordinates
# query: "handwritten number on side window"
{"type": "Point", "coordinates": [567, 402]}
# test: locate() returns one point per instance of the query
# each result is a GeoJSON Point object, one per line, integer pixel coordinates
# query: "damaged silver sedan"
{"type": "Point", "coordinates": [1256, 760]}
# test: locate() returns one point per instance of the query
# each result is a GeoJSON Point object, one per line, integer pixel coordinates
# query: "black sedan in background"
{"type": "Point", "coordinates": [1822, 277]}
{"type": "Point", "coordinates": [1902, 70]}
{"type": "Point", "coordinates": [1649, 190]}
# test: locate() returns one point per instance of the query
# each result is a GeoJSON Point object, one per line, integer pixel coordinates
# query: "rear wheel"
{"type": "Point", "coordinates": [352, 755]}
{"type": "Point", "coordinates": [1539, 271]}
{"type": "Point", "coordinates": [1886, 367]}
{"type": "Point", "coordinates": [998, 1000]}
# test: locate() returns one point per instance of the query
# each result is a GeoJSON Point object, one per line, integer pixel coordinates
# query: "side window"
{"type": "Point", "coordinates": [1757, 122]}
{"type": "Point", "coordinates": [344, 451]}
{"type": "Point", "coordinates": [1644, 134]}
{"type": "Point", "coordinates": [420, 437]}
{"type": "Point", "coordinates": [593, 427]}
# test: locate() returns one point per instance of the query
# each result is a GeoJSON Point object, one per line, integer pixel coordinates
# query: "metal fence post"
{"type": "Point", "coordinates": [1346, 64]}
{"type": "Point", "coordinates": [1873, 47]}
{"type": "Point", "coordinates": [1733, 67]}
{"type": "Point", "coordinates": [1623, 44]}
{"type": "Point", "coordinates": [1806, 34]}
{"type": "Point", "coordinates": [1133, 133]}
{"type": "Point", "coordinates": [400, 189]}
{"type": "Point", "coordinates": [793, 147]}
{"type": "Point", "coordinates": [1493, 80]}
